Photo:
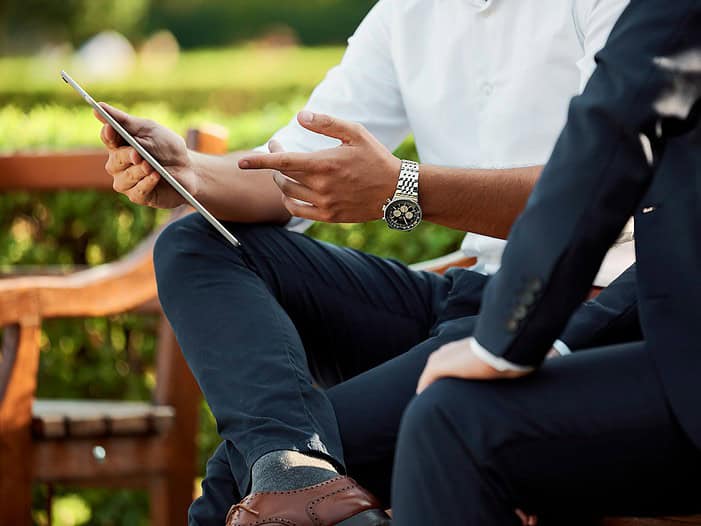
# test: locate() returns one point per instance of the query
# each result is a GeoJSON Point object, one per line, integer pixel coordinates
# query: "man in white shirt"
{"type": "Point", "coordinates": [483, 85]}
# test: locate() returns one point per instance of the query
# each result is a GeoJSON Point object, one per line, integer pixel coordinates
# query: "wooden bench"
{"type": "Point", "coordinates": [101, 443]}
{"type": "Point", "coordinates": [661, 521]}
{"type": "Point", "coordinates": [89, 442]}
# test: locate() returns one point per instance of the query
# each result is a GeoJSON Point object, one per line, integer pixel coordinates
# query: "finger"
{"type": "Point", "coordinates": [129, 122]}
{"type": "Point", "coordinates": [346, 131]}
{"type": "Point", "coordinates": [99, 116]}
{"type": "Point", "coordinates": [141, 192]}
{"type": "Point", "coordinates": [121, 159]}
{"type": "Point", "coordinates": [305, 211]}
{"type": "Point", "coordinates": [129, 178]}
{"type": "Point", "coordinates": [275, 147]}
{"type": "Point", "coordinates": [428, 376]}
{"type": "Point", "coordinates": [110, 138]}
{"type": "Point", "coordinates": [552, 353]}
{"type": "Point", "coordinates": [283, 162]}
{"type": "Point", "coordinates": [425, 380]}
{"type": "Point", "coordinates": [293, 189]}
{"type": "Point", "coordinates": [523, 517]}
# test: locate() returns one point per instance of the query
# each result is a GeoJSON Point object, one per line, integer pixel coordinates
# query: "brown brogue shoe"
{"type": "Point", "coordinates": [339, 501]}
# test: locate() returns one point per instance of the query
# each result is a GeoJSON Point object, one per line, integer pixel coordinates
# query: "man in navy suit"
{"type": "Point", "coordinates": [615, 430]}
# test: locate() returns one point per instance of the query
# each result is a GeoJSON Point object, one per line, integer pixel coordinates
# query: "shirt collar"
{"type": "Point", "coordinates": [480, 5]}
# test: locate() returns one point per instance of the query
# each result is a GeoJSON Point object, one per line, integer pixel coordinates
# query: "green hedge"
{"type": "Point", "coordinates": [222, 22]}
{"type": "Point", "coordinates": [26, 25]}
{"type": "Point", "coordinates": [230, 81]}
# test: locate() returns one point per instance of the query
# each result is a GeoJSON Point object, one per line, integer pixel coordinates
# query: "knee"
{"type": "Point", "coordinates": [425, 414]}
{"type": "Point", "coordinates": [453, 411]}
{"type": "Point", "coordinates": [187, 246]}
{"type": "Point", "coordinates": [419, 414]}
{"type": "Point", "coordinates": [186, 235]}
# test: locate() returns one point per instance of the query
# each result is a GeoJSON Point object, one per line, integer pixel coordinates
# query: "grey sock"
{"type": "Point", "coordinates": [288, 470]}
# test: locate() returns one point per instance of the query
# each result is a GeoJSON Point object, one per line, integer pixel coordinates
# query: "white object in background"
{"type": "Point", "coordinates": [107, 55]}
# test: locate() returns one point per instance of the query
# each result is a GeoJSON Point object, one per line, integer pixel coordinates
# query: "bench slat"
{"type": "Point", "coordinates": [74, 170]}
{"type": "Point", "coordinates": [661, 521]}
{"type": "Point", "coordinates": [54, 419]}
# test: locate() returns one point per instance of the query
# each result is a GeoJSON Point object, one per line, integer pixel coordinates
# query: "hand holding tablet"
{"type": "Point", "coordinates": [151, 160]}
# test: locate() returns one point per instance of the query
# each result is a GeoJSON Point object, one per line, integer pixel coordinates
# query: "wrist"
{"type": "Point", "coordinates": [193, 161]}
{"type": "Point", "coordinates": [393, 169]}
{"type": "Point", "coordinates": [496, 363]}
{"type": "Point", "coordinates": [402, 210]}
{"type": "Point", "coordinates": [387, 181]}
{"type": "Point", "coordinates": [191, 177]}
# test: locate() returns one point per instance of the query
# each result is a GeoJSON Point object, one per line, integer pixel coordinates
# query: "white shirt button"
{"type": "Point", "coordinates": [487, 88]}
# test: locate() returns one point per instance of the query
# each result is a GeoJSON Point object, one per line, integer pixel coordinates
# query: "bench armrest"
{"type": "Point", "coordinates": [109, 289]}
{"type": "Point", "coordinates": [440, 265]}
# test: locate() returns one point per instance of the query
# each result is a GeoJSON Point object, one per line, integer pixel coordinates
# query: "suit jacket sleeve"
{"type": "Point", "coordinates": [610, 318]}
{"type": "Point", "coordinates": [599, 171]}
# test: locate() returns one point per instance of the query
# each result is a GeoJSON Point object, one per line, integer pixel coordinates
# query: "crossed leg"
{"type": "Point", "coordinates": [590, 433]}
{"type": "Point", "coordinates": [266, 327]}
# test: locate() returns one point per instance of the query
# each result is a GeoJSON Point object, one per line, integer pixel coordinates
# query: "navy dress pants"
{"type": "Point", "coordinates": [301, 345]}
{"type": "Point", "coordinates": [591, 433]}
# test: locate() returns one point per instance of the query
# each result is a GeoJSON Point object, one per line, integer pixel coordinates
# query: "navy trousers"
{"type": "Point", "coordinates": [591, 433]}
{"type": "Point", "coordinates": [302, 345]}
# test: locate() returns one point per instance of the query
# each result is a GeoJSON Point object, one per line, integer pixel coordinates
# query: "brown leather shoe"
{"type": "Point", "coordinates": [339, 501]}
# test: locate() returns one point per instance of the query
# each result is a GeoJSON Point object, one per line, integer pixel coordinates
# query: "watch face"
{"type": "Point", "coordinates": [403, 214]}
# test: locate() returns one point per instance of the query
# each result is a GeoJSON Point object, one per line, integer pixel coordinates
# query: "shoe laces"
{"type": "Point", "coordinates": [237, 507]}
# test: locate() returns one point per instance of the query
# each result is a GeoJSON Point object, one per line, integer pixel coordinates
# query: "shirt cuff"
{"type": "Point", "coordinates": [562, 348]}
{"type": "Point", "coordinates": [494, 361]}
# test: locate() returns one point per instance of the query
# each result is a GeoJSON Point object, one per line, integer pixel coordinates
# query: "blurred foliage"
{"type": "Point", "coordinates": [91, 507]}
{"type": "Point", "coordinates": [229, 80]}
{"type": "Point", "coordinates": [221, 22]}
{"type": "Point", "coordinates": [114, 357]}
{"type": "Point", "coordinates": [26, 25]}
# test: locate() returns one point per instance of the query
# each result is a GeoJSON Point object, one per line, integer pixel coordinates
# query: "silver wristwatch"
{"type": "Point", "coordinates": [402, 211]}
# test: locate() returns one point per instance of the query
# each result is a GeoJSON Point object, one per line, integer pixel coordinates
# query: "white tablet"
{"type": "Point", "coordinates": [151, 160]}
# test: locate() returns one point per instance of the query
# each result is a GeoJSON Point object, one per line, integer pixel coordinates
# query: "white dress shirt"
{"type": "Point", "coordinates": [479, 83]}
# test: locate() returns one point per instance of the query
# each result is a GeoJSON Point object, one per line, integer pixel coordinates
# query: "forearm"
{"type": "Point", "coordinates": [476, 200]}
{"type": "Point", "coordinates": [351, 182]}
{"type": "Point", "coordinates": [232, 194]}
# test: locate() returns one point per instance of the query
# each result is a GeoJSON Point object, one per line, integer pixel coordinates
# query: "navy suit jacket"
{"type": "Point", "coordinates": [631, 146]}
{"type": "Point", "coordinates": [610, 318]}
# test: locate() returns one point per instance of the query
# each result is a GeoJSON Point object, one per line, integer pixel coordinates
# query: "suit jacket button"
{"type": "Point", "coordinates": [535, 285]}
{"type": "Point", "coordinates": [520, 313]}
{"type": "Point", "coordinates": [528, 298]}
{"type": "Point", "coordinates": [512, 325]}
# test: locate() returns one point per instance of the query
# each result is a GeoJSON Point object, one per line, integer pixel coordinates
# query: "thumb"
{"type": "Point", "coordinates": [345, 131]}
{"type": "Point", "coordinates": [129, 122]}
